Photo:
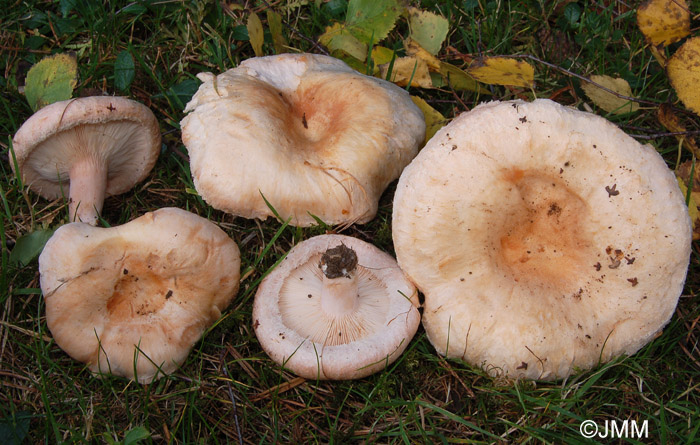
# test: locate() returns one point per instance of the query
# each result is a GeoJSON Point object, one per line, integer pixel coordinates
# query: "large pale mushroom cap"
{"type": "Point", "coordinates": [154, 284]}
{"type": "Point", "coordinates": [306, 131]}
{"type": "Point", "coordinates": [543, 238]}
{"type": "Point", "coordinates": [322, 338]}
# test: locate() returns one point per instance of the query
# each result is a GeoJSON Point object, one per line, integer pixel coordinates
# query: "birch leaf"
{"type": "Point", "coordinates": [664, 21]}
{"type": "Point", "coordinates": [433, 119]}
{"type": "Point", "coordinates": [683, 70]}
{"type": "Point", "coordinates": [50, 80]}
{"type": "Point", "coordinates": [428, 29]}
{"type": "Point", "coordinates": [500, 70]}
{"type": "Point", "coordinates": [608, 101]}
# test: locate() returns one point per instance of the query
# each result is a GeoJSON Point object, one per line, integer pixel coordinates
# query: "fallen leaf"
{"type": "Point", "coordinates": [428, 29]}
{"type": "Point", "coordinates": [457, 79]}
{"type": "Point", "coordinates": [123, 70]}
{"type": "Point", "coordinates": [413, 48]}
{"type": "Point", "coordinates": [339, 38]}
{"type": "Point", "coordinates": [372, 20]}
{"type": "Point", "coordinates": [683, 177]}
{"type": "Point", "coordinates": [608, 101]}
{"type": "Point", "coordinates": [274, 22]}
{"type": "Point", "coordinates": [255, 33]}
{"type": "Point", "coordinates": [382, 55]}
{"type": "Point", "coordinates": [50, 80]}
{"type": "Point", "coordinates": [664, 21]}
{"type": "Point", "coordinates": [672, 123]}
{"type": "Point", "coordinates": [500, 70]}
{"type": "Point", "coordinates": [683, 69]}
{"type": "Point", "coordinates": [408, 69]}
{"type": "Point", "coordinates": [433, 119]}
{"type": "Point", "coordinates": [29, 246]}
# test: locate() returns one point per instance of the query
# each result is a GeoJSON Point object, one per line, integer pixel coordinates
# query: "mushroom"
{"type": "Point", "coordinates": [132, 300]}
{"type": "Point", "coordinates": [305, 132]}
{"type": "Point", "coordinates": [335, 308]}
{"type": "Point", "coordinates": [545, 239]}
{"type": "Point", "coordinates": [99, 146]}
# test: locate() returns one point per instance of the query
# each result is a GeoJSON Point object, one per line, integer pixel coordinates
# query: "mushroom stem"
{"type": "Point", "coordinates": [88, 182]}
{"type": "Point", "coordinates": [339, 295]}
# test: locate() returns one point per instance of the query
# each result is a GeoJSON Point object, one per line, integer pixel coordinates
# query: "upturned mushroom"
{"type": "Point", "coordinates": [545, 239]}
{"type": "Point", "coordinates": [87, 148]}
{"type": "Point", "coordinates": [305, 132]}
{"type": "Point", "coordinates": [132, 300]}
{"type": "Point", "coordinates": [335, 308]}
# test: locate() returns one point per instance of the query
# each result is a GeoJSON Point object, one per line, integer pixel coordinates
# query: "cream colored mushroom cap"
{"type": "Point", "coordinates": [119, 131]}
{"type": "Point", "coordinates": [293, 330]}
{"type": "Point", "coordinates": [154, 284]}
{"type": "Point", "coordinates": [306, 131]}
{"type": "Point", "coordinates": [544, 239]}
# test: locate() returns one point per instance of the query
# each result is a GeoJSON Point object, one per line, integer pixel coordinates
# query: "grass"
{"type": "Point", "coordinates": [228, 390]}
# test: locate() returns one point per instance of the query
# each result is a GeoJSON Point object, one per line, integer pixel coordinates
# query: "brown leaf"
{"type": "Point", "coordinates": [672, 122]}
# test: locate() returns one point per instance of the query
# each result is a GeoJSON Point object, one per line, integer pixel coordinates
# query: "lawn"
{"type": "Point", "coordinates": [228, 390]}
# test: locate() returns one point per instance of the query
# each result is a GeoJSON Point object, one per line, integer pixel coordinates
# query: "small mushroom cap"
{"type": "Point", "coordinates": [544, 239]}
{"type": "Point", "coordinates": [154, 284]}
{"type": "Point", "coordinates": [120, 132]}
{"type": "Point", "coordinates": [305, 131]}
{"type": "Point", "coordinates": [296, 333]}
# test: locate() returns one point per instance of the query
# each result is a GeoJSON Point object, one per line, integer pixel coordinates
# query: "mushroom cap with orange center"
{"type": "Point", "coordinates": [132, 300]}
{"type": "Point", "coordinates": [544, 239]}
{"type": "Point", "coordinates": [306, 132]}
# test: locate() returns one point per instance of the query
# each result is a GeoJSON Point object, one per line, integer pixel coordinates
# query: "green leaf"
{"type": "Point", "coordinates": [29, 246]}
{"type": "Point", "coordinates": [338, 38]}
{"type": "Point", "coordinates": [50, 80]}
{"type": "Point", "coordinates": [428, 29]}
{"type": "Point", "coordinates": [123, 70]}
{"type": "Point", "coordinates": [135, 435]}
{"type": "Point", "coordinates": [14, 428]}
{"type": "Point", "coordinates": [372, 20]}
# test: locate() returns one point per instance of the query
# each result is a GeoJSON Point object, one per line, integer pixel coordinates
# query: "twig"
{"type": "Point", "coordinates": [663, 135]}
{"type": "Point", "coordinates": [585, 79]}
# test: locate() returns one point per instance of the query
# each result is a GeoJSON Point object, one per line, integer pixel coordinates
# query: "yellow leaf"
{"type": "Point", "coordinates": [503, 71]}
{"type": "Point", "coordinates": [664, 21]}
{"type": "Point", "coordinates": [608, 101]}
{"type": "Point", "coordinates": [353, 62]}
{"type": "Point", "coordinates": [458, 79]}
{"type": "Point", "coordinates": [50, 80]}
{"type": "Point", "coordinates": [338, 38]}
{"type": "Point", "coordinates": [683, 177]}
{"type": "Point", "coordinates": [255, 33]}
{"type": "Point", "coordinates": [381, 55]}
{"type": "Point", "coordinates": [274, 22]}
{"type": "Point", "coordinates": [683, 70]}
{"type": "Point", "coordinates": [413, 48]}
{"type": "Point", "coordinates": [407, 69]}
{"type": "Point", "coordinates": [433, 119]}
{"type": "Point", "coordinates": [673, 124]}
